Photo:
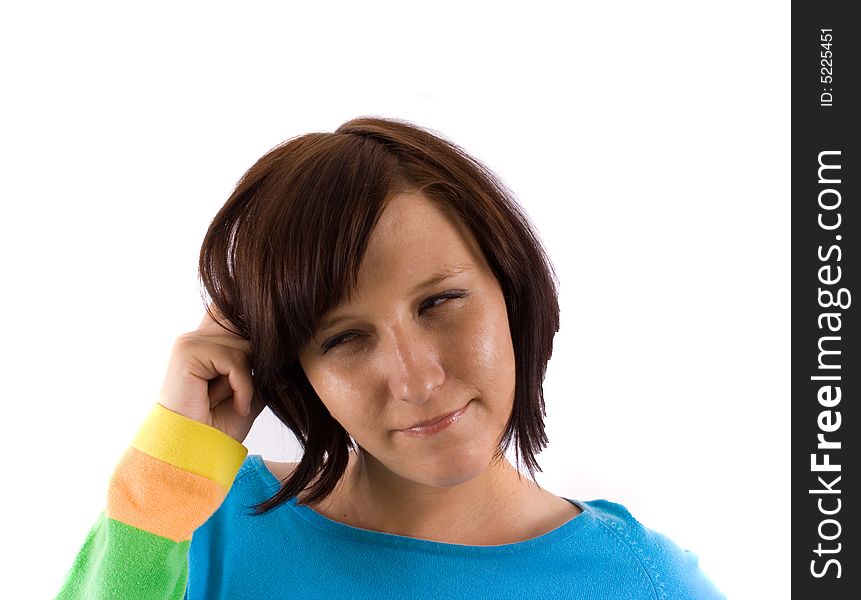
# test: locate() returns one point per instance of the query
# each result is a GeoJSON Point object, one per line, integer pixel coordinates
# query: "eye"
{"type": "Point", "coordinates": [435, 301]}
{"type": "Point", "coordinates": [338, 339]}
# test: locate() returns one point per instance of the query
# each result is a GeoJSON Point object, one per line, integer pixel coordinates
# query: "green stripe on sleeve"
{"type": "Point", "coordinates": [118, 561]}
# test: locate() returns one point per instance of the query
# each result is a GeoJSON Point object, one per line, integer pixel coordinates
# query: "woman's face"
{"type": "Point", "coordinates": [425, 334]}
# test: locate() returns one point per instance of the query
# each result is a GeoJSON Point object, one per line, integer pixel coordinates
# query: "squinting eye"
{"type": "Point", "coordinates": [433, 302]}
{"type": "Point", "coordinates": [344, 337]}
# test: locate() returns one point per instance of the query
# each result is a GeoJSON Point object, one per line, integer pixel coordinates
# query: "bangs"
{"type": "Point", "coordinates": [294, 239]}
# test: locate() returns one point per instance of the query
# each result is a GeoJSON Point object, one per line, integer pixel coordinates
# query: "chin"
{"type": "Point", "coordinates": [445, 471]}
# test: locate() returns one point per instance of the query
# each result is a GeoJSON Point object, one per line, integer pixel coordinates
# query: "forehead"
{"type": "Point", "coordinates": [413, 237]}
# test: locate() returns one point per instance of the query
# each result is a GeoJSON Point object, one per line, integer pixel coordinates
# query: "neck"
{"type": "Point", "coordinates": [480, 511]}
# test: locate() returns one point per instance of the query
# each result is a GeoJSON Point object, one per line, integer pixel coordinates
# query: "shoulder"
{"type": "Point", "coordinates": [673, 571]}
{"type": "Point", "coordinates": [255, 471]}
{"type": "Point", "coordinates": [281, 470]}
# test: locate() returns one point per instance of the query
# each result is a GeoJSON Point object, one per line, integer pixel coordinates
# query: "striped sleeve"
{"type": "Point", "coordinates": [172, 478]}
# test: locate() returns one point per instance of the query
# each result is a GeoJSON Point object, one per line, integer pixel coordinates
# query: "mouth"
{"type": "Point", "coordinates": [435, 425]}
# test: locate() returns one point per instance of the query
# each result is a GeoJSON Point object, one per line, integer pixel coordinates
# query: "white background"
{"type": "Point", "coordinates": [649, 142]}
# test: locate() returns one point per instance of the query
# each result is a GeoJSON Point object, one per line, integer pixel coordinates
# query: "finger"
{"type": "Point", "coordinates": [219, 390]}
{"type": "Point", "coordinates": [241, 382]}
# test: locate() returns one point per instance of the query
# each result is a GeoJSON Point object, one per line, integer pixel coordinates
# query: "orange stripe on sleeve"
{"type": "Point", "coordinates": [157, 497]}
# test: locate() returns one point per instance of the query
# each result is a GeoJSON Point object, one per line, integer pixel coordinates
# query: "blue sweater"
{"type": "Point", "coordinates": [295, 552]}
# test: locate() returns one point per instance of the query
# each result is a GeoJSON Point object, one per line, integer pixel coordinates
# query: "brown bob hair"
{"type": "Point", "coordinates": [285, 249]}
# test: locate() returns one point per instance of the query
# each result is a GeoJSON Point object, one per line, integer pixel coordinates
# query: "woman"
{"type": "Point", "coordinates": [383, 294]}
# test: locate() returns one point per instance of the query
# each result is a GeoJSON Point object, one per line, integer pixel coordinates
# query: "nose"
{"type": "Point", "coordinates": [414, 369]}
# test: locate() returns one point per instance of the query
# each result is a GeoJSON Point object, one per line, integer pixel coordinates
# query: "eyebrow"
{"type": "Point", "coordinates": [439, 277]}
{"type": "Point", "coordinates": [431, 281]}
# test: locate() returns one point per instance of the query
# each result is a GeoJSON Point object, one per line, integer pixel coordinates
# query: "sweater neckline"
{"type": "Point", "coordinates": [368, 536]}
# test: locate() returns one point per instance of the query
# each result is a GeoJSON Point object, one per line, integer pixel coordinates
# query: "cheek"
{"type": "Point", "coordinates": [338, 378]}
{"type": "Point", "coordinates": [485, 349]}
{"type": "Point", "coordinates": [342, 393]}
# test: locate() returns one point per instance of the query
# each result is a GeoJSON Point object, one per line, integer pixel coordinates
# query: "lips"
{"type": "Point", "coordinates": [434, 425]}
{"type": "Point", "coordinates": [432, 421]}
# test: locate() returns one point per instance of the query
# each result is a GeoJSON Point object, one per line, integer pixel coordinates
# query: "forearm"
{"type": "Point", "coordinates": [172, 478]}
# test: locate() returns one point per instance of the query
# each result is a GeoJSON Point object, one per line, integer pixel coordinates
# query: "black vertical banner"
{"type": "Point", "coordinates": [826, 364]}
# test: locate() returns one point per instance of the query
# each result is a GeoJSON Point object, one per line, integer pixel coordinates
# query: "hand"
{"type": "Point", "coordinates": [209, 379]}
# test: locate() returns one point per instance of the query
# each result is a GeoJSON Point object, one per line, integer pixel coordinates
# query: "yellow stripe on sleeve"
{"type": "Point", "coordinates": [190, 445]}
